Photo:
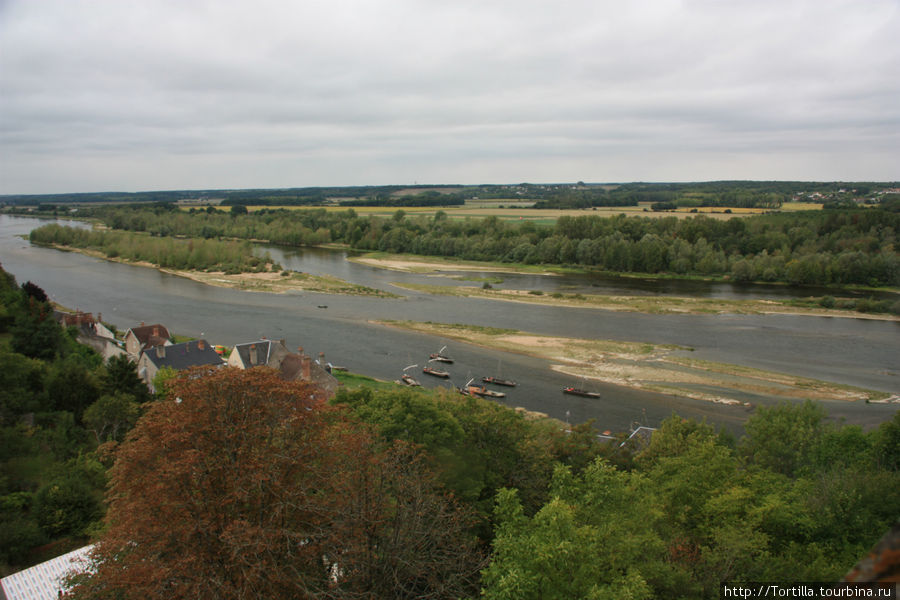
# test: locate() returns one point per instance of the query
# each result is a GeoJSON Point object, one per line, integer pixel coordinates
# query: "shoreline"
{"type": "Point", "coordinates": [265, 281]}
{"type": "Point", "coordinates": [644, 304]}
{"type": "Point", "coordinates": [650, 367]}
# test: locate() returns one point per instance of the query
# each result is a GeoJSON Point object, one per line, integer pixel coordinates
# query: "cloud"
{"type": "Point", "coordinates": [194, 94]}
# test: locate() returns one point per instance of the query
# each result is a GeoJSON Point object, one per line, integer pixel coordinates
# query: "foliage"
{"type": "Point", "coordinates": [238, 486]}
{"type": "Point", "coordinates": [166, 252]}
{"type": "Point", "coordinates": [121, 376]}
{"type": "Point", "coordinates": [66, 506]}
{"type": "Point", "coordinates": [839, 248]}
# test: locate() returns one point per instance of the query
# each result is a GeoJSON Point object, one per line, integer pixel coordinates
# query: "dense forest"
{"type": "Point", "coordinates": [392, 492]}
{"type": "Point", "coordinates": [827, 247]}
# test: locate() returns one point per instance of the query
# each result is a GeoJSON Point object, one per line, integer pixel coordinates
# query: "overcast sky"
{"type": "Point", "coordinates": [102, 95]}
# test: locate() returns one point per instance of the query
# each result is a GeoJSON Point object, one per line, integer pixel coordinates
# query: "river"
{"type": "Point", "coordinates": [851, 351]}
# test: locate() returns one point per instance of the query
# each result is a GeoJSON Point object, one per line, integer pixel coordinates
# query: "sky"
{"type": "Point", "coordinates": [112, 95]}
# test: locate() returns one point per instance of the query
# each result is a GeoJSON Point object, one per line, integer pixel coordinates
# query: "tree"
{"type": "Point", "coordinates": [121, 376]}
{"type": "Point", "coordinates": [238, 485]}
{"type": "Point", "coordinates": [111, 416]}
{"type": "Point", "coordinates": [593, 539]}
{"type": "Point", "coordinates": [66, 506]}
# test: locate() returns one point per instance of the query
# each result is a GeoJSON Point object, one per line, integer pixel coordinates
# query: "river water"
{"type": "Point", "coordinates": [851, 351]}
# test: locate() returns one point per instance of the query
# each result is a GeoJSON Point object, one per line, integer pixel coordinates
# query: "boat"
{"type": "Point", "coordinates": [480, 390]}
{"type": "Point", "coordinates": [436, 373]}
{"type": "Point", "coordinates": [440, 356]}
{"type": "Point", "coordinates": [409, 380]}
{"type": "Point", "coordinates": [580, 392]}
{"type": "Point", "coordinates": [498, 381]}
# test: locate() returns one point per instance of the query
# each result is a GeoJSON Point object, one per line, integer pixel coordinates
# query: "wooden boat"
{"type": "Point", "coordinates": [409, 380]}
{"type": "Point", "coordinates": [498, 381]}
{"type": "Point", "coordinates": [480, 390]}
{"type": "Point", "coordinates": [440, 356]}
{"type": "Point", "coordinates": [436, 373]}
{"type": "Point", "coordinates": [580, 392]}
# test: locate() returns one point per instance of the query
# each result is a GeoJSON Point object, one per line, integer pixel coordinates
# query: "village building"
{"type": "Point", "coordinates": [196, 353]}
{"type": "Point", "coordinates": [292, 366]}
{"type": "Point", "coordinates": [138, 339]}
{"type": "Point", "coordinates": [91, 332]}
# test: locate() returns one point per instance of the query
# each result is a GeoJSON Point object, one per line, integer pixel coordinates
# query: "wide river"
{"type": "Point", "coordinates": [859, 352]}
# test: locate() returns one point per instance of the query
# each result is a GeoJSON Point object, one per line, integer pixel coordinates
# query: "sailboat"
{"type": "Point", "coordinates": [408, 379]}
{"type": "Point", "coordinates": [498, 380]}
{"type": "Point", "coordinates": [576, 391]}
{"type": "Point", "coordinates": [480, 390]}
{"type": "Point", "coordinates": [428, 370]}
{"type": "Point", "coordinates": [440, 356]}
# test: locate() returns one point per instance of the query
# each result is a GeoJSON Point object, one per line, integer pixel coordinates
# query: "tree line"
{"type": "Point", "coordinates": [840, 247]}
{"type": "Point", "coordinates": [167, 252]}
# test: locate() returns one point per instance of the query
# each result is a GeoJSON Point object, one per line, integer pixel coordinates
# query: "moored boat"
{"type": "Point", "coordinates": [440, 356]}
{"type": "Point", "coordinates": [499, 381]}
{"type": "Point", "coordinates": [409, 380]}
{"type": "Point", "coordinates": [436, 372]}
{"type": "Point", "coordinates": [581, 392]}
{"type": "Point", "coordinates": [480, 390]}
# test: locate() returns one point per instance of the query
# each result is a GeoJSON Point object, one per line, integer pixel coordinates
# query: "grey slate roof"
{"type": "Point", "coordinates": [184, 355]}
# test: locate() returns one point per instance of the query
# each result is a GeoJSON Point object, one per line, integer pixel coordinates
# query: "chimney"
{"type": "Point", "coordinates": [160, 351]}
{"type": "Point", "coordinates": [99, 317]}
{"type": "Point", "coordinates": [156, 331]}
{"type": "Point", "coordinates": [282, 342]}
{"type": "Point", "coordinates": [300, 350]}
{"type": "Point", "coordinates": [142, 323]}
{"type": "Point", "coordinates": [201, 344]}
{"type": "Point", "coordinates": [254, 355]}
{"type": "Point", "coordinates": [305, 364]}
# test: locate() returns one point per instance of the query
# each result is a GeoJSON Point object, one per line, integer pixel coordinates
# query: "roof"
{"type": "Point", "coordinates": [263, 349]}
{"type": "Point", "coordinates": [148, 333]}
{"type": "Point", "coordinates": [42, 581]}
{"type": "Point", "coordinates": [640, 436]}
{"type": "Point", "coordinates": [195, 353]}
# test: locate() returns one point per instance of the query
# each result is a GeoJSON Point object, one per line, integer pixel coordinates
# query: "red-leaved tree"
{"type": "Point", "coordinates": [242, 485]}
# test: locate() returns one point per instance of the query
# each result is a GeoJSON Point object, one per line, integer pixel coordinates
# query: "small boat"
{"type": "Point", "coordinates": [436, 373]}
{"type": "Point", "coordinates": [580, 392]}
{"type": "Point", "coordinates": [480, 390]}
{"type": "Point", "coordinates": [498, 381]}
{"type": "Point", "coordinates": [409, 380]}
{"type": "Point", "coordinates": [440, 356]}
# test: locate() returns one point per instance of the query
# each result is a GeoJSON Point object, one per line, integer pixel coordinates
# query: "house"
{"type": "Point", "coordinates": [196, 353]}
{"type": "Point", "coordinates": [43, 581]}
{"type": "Point", "coordinates": [291, 366]}
{"type": "Point", "coordinates": [138, 339]}
{"type": "Point", "coordinates": [639, 438]}
{"type": "Point", "coordinates": [91, 332]}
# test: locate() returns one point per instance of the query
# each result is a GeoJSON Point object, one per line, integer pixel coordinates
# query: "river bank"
{"type": "Point", "coordinates": [643, 304]}
{"type": "Point", "coordinates": [271, 281]}
{"type": "Point", "coordinates": [649, 367]}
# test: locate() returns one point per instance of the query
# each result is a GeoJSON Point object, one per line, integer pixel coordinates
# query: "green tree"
{"type": "Point", "coordinates": [121, 376]}
{"type": "Point", "coordinates": [66, 506]}
{"type": "Point", "coordinates": [112, 416]}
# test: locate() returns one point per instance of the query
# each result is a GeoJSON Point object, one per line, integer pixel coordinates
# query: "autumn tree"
{"type": "Point", "coordinates": [241, 485]}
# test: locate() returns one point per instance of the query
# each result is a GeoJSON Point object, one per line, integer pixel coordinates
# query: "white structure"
{"type": "Point", "coordinates": [43, 581]}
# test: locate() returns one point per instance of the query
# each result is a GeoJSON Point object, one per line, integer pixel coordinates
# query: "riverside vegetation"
{"type": "Point", "coordinates": [827, 247]}
{"type": "Point", "coordinates": [392, 492]}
